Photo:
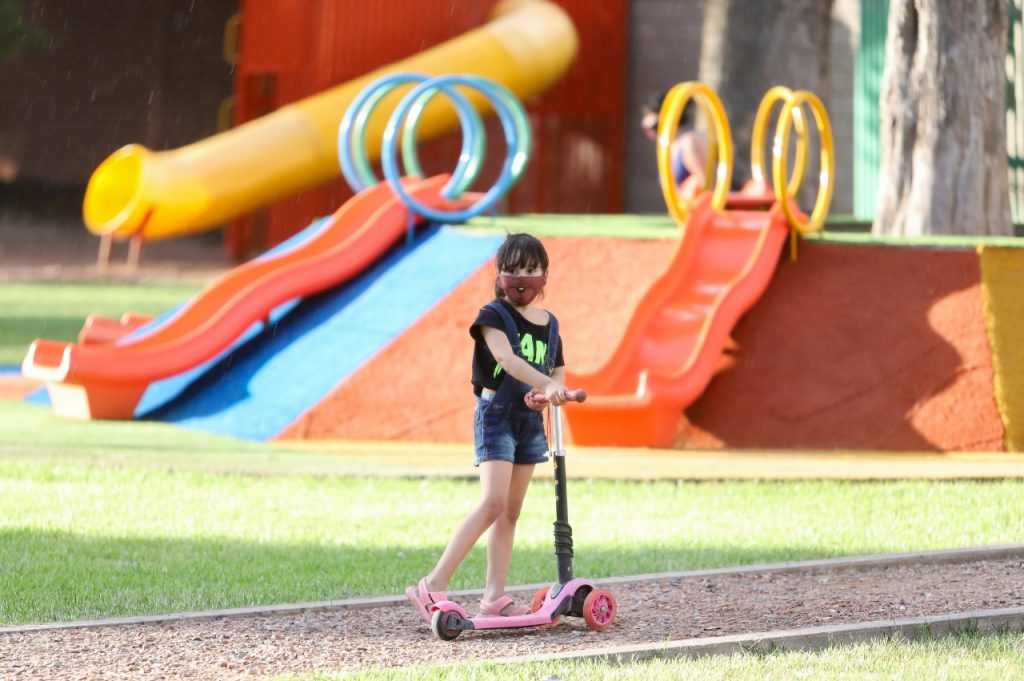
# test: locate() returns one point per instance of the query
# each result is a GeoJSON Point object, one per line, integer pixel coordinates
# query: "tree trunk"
{"type": "Point", "coordinates": [943, 125]}
{"type": "Point", "coordinates": [749, 46]}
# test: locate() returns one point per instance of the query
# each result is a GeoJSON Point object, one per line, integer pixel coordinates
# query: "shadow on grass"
{"type": "Point", "coordinates": [57, 576]}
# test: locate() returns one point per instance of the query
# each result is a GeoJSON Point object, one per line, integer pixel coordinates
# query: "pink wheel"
{"type": "Point", "coordinates": [538, 603]}
{"type": "Point", "coordinates": [599, 610]}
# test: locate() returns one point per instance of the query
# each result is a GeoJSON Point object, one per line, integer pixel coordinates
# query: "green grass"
{"type": "Point", "coordinates": [954, 241]}
{"type": "Point", "coordinates": [108, 519]}
{"type": "Point", "coordinates": [840, 229]}
{"type": "Point", "coordinates": [56, 310]}
{"type": "Point", "coordinates": [568, 225]}
{"type": "Point", "coordinates": [966, 657]}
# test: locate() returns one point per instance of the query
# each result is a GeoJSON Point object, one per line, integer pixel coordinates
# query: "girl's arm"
{"type": "Point", "coordinates": [693, 148]}
{"type": "Point", "coordinates": [517, 367]}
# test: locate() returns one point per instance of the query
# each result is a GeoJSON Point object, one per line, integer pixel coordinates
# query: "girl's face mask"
{"type": "Point", "coordinates": [522, 290]}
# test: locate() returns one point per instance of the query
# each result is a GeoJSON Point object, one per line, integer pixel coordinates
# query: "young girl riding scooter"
{"type": "Point", "coordinates": [517, 348]}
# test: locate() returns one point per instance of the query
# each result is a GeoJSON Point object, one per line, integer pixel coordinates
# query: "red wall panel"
{"type": "Point", "coordinates": [291, 49]}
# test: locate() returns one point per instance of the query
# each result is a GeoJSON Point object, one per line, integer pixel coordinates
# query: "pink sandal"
{"type": "Point", "coordinates": [424, 600]}
{"type": "Point", "coordinates": [495, 608]}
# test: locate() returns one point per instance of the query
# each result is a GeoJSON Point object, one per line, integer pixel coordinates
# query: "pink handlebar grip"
{"type": "Point", "coordinates": [571, 395]}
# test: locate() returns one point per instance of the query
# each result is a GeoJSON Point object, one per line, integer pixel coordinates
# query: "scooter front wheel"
{"type": "Point", "coordinates": [599, 610]}
{"type": "Point", "coordinates": [441, 625]}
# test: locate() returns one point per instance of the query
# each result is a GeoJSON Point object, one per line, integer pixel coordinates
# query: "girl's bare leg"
{"type": "Point", "coordinates": [503, 533]}
{"type": "Point", "coordinates": [495, 479]}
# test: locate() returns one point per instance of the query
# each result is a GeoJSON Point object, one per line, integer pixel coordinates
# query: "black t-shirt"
{"type": "Point", "coordinates": [533, 342]}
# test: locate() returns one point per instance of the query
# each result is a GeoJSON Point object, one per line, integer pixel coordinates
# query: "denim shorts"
{"type": "Point", "coordinates": [503, 432]}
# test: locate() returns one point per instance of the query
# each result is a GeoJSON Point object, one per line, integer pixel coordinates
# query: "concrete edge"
{"type": "Point", "coordinates": [808, 639]}
{"type": "Point", "coordinates": [998, 552]}
{"type": "Point", "coordinates": [936, 557]}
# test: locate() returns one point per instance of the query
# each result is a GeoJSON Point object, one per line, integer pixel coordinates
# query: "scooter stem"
{"type": "Point", "coordinates": [563, 532]}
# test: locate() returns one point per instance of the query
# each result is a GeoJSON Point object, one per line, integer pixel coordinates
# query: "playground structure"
{"type": "Point", "coordinates": [137, 193]}
{"type": "Point", "coordinates": [106, 374]}
{"type": "Point", "coordinates": [724, 259]}
{"type": "Point", "coordinates": [107, 379]}
{"type": "Point", "coordinates": [728, 245]}
{"type": "Point", "coordinates": [723, 262]}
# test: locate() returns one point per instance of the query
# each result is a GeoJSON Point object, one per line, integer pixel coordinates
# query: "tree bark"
{"type": "Point", "coordinates": [749, 46]}
{"type": "Point", "coordinates": [943, 125]}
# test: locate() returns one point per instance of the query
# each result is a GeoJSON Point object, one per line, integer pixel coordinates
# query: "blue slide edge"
{"type": "Point", "coordinates": [265, 384]}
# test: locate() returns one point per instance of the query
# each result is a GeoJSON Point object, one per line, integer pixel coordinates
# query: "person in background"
{"type": "Point", "coordinates": [689, 148]}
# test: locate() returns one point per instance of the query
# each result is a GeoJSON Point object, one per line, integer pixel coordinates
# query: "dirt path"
{"type": "Point", "coordinates": [57, 248]}
{"type": "Point", "coordinates": [650, 612]}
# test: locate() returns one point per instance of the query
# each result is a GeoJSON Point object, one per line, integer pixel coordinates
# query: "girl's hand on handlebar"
{"type": "Point", "coordinates": [555, 393]}
{"type": "Point", "coordinates": [537, 400]}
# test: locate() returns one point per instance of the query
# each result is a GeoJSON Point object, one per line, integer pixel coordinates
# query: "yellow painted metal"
{"type": "Point", "coordinates": [527, 46]}
{"type": "Point", "coordinates": [668, 126]}
{"type": "Point", "coordinates": [230, 48]}
{"type": "Point", "coordinates": [1001, 270]}
{"type": "Point", "coordinates": [776, 95]}
{"type": "Point", "coordinates": [787, 120]}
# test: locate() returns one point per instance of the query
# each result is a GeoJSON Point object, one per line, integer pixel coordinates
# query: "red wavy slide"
{"type": "Point", "coordinates": [97, 379]}
{"type": "Point", "coordinates": [674, 342]}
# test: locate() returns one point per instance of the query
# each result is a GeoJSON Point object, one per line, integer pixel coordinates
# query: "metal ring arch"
{"type": "Point", "coordinates": [668, 125]}
{"type": "Point", "coordinates": [787, 121]}
{"type": "Point", "coordinates": [778, 94]}
{"type": "Point", "coordinates": [513, 121]}
{"type": "Point", "coordinates": [355, 166]}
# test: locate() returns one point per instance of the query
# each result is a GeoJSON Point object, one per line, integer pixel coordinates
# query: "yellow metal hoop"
{"type": "Point", "coordinates": [778, 94]}
{"type": "Point", "coordinates": [668, 125]}
{"type": "Point", "coordinates": [787, 119]}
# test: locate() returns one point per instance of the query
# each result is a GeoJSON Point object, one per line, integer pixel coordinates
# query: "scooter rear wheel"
{"type": "Point", "coordinates": [441, 627]}
{"type": "Point", "coordinates": [538, 603]}
{"type": "Point", "coordinates": [599, 610]}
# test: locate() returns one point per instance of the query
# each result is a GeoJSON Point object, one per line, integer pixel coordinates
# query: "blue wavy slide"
{"type": "Point", "coordinates": [280, 369]}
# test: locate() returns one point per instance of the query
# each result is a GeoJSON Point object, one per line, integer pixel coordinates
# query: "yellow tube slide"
{"type": "Point", "coordinates": [527, 46]}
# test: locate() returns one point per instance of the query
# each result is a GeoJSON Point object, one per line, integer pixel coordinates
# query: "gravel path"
{"type": "Point", "coordinates": [394, 636]}
{"type": "Point", "coordinates": [34, 248]}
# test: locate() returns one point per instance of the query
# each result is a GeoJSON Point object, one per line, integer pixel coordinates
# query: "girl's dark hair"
{"type": "Point", "coordinates": [519, 250]}
{"type": "Point", "coordinates": [687, 118]}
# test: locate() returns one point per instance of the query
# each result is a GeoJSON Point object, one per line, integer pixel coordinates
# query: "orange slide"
{"type": "Point", "coordinates": [724, 260]}
{"type": "Point", "coordinates": [97, 379]}
{"type": "Point", "coordinates": [674, 342]}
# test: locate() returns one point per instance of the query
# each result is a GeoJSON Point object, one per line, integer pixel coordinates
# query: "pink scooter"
{"type": "Point", "coordinates": [568, 596]}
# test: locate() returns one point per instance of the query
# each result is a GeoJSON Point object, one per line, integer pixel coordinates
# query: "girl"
{"type": "Point", "coordinates": [517, 347]}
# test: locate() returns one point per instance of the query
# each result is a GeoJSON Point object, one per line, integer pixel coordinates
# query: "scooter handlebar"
{"type": "Point", "coordinates": [570, 395]}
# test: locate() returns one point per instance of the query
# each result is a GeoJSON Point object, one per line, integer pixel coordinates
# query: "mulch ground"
{"type": "Point", "coordinates": [651, 612]}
